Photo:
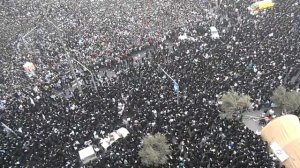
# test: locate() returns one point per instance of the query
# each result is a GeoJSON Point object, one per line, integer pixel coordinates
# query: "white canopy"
{"type": "Point", "coordinates": [113, 137]}
{"type": "Point", "coordinates": [87, 154]}
{"type": "Point", "coordinates": [122, 132]}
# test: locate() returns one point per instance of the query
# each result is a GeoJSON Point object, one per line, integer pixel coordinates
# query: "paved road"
{"type": "Point", "coordinates": [250, 119]}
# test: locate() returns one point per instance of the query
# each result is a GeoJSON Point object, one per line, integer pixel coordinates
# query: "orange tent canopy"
{"type": "Point", "coordinates": [285, 131]}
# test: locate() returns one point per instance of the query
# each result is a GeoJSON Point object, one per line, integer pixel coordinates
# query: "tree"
{"type": "Point", "coordinates": [155, 150]}
{"type": "Point", "coordinates": [286, 100]}
{"type": "Point", "coordinates": [297, 112]}
{"type": "Point", "coordinates": [279, 96]}
{"type": "Point", "coordinates": [233, 102]}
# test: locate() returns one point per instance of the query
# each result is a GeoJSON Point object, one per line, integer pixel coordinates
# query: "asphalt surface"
{"type": "Point", "coordinates": [251, 120]}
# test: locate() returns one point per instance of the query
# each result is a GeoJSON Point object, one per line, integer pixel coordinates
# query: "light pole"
{"type": "Point", "coordinates": [8, 129]}
{"type": "Point", "coordinates": [68, 57]}
{"type": "Point", "coordinates": [176, 85]}
{"type": "Point", "coordinates": [92, 74]}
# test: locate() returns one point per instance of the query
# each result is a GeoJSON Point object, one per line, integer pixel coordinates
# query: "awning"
{"type": "Point", "coordinates": [285, 131]}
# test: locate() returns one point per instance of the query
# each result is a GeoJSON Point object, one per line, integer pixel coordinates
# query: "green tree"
{"type": "Point", "coordinates": [286, 100]}
{"type": "Point", "coordinates": [279, 96]}
{"type": "Point", "coordinates": [155, 150]}
{"type": "Point", "coordinates": [297, 112]}
{"type": "Point", "coordinates": [232, 102]}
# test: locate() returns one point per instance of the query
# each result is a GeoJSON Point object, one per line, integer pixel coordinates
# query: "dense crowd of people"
{"type": "Point", "coordinates": [91, 30]}
{"type": "Point", "coordinates": [51, 128]}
